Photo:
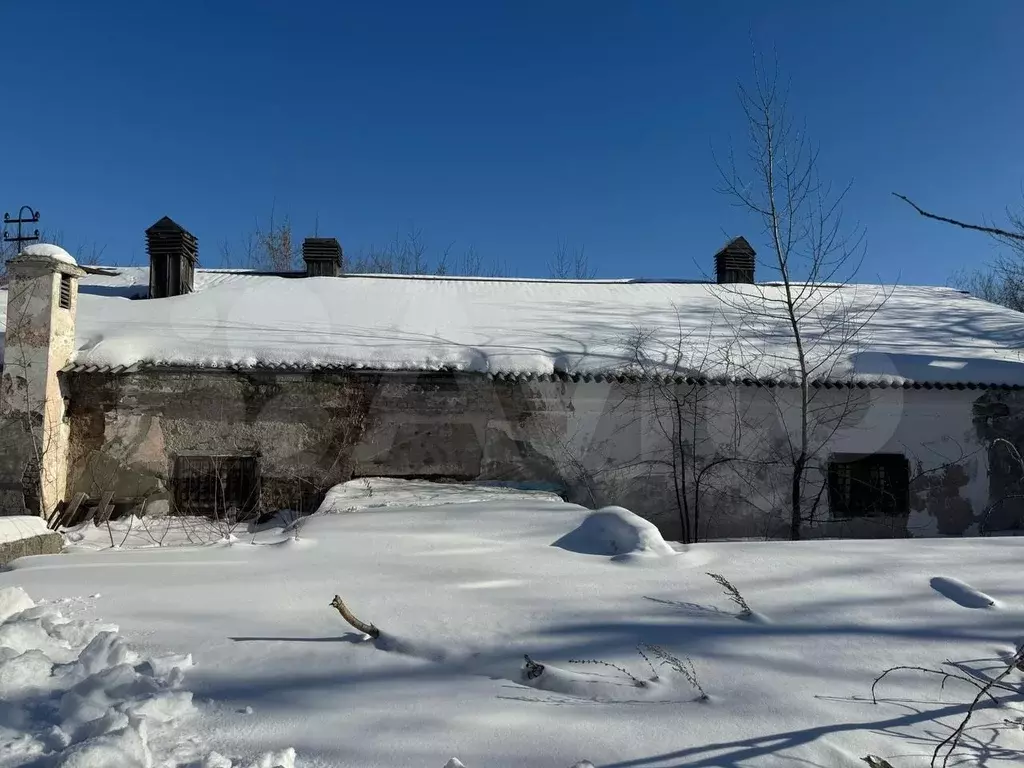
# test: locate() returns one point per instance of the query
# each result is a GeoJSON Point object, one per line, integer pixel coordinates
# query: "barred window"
{"type": "Point", "coordinates": [869, 486]}
{"type": "Point", "coordinates": [215, 486]}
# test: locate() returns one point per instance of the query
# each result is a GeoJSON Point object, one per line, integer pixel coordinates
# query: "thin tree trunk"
{"type": "Point", "coordinates": [684, 508]}
{"type": "Point", "coordinates": [684, 533]}
{"type": "Point", "coordinates": [796, 498]}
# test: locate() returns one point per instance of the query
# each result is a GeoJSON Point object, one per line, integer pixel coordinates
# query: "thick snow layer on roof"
{"type": "Point", "coordinates": [52, 251]}
{"type": "Point", "coordinates": [871, 333]}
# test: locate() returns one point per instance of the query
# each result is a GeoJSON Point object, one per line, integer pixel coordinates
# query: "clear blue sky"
{"type": "Point", "coordinates": [503, 125]}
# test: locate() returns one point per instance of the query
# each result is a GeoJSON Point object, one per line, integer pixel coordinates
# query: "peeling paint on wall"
{"type": "Point", "coordinates": [311, 431]}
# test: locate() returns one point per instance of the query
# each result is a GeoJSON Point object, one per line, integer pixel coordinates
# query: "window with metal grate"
{"type": "Point", "coordinates": [877, 485]}
{"type": "Point", "coordinates": [65, 291]}
{"type": "Point", "coordinates": [216, 486]}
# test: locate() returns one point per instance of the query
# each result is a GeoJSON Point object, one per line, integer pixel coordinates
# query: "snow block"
{"type": "Point", "coordinates": [41, 544]}
{"type": "Point", "coordinates": [616, 532]}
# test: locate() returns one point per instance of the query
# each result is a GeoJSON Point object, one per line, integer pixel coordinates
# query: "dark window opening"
{"type": "Point", "coordinates": [216, 486]}
{"type": "Point", "coordinates": [869, 486]}
{"type": "Point", "coordinates": [65, 291]}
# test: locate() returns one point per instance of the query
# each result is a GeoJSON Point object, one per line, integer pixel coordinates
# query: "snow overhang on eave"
{"type": "Point", "coordinates": [513, 376]}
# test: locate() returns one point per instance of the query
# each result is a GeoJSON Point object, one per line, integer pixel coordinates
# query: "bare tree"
{"type": "Point", "coordinates": [408, 254]}
{"type": "Point", "coordinates": [777, 180]}
{"type": "Point", "coordinates": [270, 246]}
{"type": "Point", "coordinates": [698, 426]}
{"type": "Point", "coordinates": [87, 254]}
{"type": "Point", "coordinates": [570, 264]}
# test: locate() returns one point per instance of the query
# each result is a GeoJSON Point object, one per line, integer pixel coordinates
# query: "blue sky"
{"type": "Point", "coordinates": [505, 126]}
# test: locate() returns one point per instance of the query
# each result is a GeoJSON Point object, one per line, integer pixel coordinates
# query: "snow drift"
{"type": "Point", "coordinates": [616, 532]}
{"type": "Point", "coordinates": [108, 701]}
{"type": "Point", "coordinates": [74, 694]}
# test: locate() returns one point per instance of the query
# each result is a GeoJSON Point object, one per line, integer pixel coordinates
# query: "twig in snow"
{"type": "Point", "coordinates": [985, 689]}
{"type": "Point", "coordinates": [683, 666]}
{"type": "Point", "coordinates": [131, 523]}
{"type": "Point", "coordinates": [945, 674]}
{"type": "Point", "coordinates": [654, 672]}
{"type": "Point", "coordinates": [1016, 663]}
{"type": "Point", "coordinates": [532, 669]}
{"type": "Point", "coordinates": [347, 615]}
{"type": "Point", "coordinates": [636, 680]}
{"type": "Point", "coordinates": [733, 594]}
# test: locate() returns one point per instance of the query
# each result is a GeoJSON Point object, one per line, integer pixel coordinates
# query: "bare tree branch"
{"type": "Point", "coordinates": [347, 615]}
{"type": "Point", "coordinates": [964, 225]}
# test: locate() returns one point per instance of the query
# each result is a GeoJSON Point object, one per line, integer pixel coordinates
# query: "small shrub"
{"type": "Point", "coordinates": [683, 666]}
{"type": "Point", "coordinates": [733, 594]}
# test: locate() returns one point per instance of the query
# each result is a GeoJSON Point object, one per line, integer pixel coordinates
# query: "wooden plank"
{"type": "Point", "coordinates": [105, 509]}
{"type": "Point", "coordinates": [56, 515]}
{"type": "Point", "coordinates": [70, 510]}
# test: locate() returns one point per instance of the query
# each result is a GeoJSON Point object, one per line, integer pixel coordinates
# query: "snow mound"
{"type": "Point", "coordinates": [618, 533]}
{"type": "Point", "coordinates": [18, 527]}
{"type": "Point", "coordinates": [50, 251]}
{"type": "Point", "coordinates": [961, 593]}
{"type": "Point", "coordinates": [75, 695]}
{"type": "Point", "coordinates": [375, 492]}
{"type": "Point", "coordinates": [13, 600]}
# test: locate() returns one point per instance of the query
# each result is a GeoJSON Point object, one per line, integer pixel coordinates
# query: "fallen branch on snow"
{"type": "Point", "coordinates": [984, 687]}
{"type": "Point", "coordinates": [347, 615]}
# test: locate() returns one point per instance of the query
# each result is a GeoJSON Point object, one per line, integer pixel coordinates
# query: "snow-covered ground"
{"type": "Point", "coordinates": [231, 648]}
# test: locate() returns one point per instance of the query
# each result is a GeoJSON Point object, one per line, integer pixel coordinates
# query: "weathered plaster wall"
{"type": "Point", "coordinates": [935, 429]}
{"type": "Point", "coordinates": [603, 443]}
{"type": "Point", "coordinates": [39, 339]}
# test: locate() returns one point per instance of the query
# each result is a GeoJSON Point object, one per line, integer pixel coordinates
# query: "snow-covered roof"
{"type": "Point", "coordinates": [900, 335]}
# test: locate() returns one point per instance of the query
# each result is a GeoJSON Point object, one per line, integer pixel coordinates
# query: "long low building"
{"type": "Point", "coordinates": [173, 389]}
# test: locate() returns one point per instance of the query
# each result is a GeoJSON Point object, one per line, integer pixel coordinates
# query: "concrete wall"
{"type": "Point", "coordinates": [603, 443]}
{"type": "Point", "coordinates": [43, 544]}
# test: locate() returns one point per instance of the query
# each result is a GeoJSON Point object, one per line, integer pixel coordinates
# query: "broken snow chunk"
{"type": "Point", "coordinates": [105, 650]}
{"type": "Point", "coordinates": [125, 748]}
{"type": "Point", "coordinates": [163, 707]}
{"type": "Point", "coordinates": [13, 600]}
{"type": "Point", "coordinates": [216, 760]}
{"type": "Point", "coordinates": [283, 759]}
{"type": "Point", "coordinates": [25, 672]}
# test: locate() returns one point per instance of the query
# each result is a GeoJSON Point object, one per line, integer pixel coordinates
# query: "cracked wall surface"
{"type": "Point", "coordinates": [597, 442]}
